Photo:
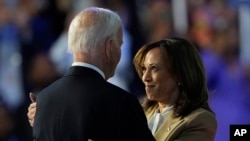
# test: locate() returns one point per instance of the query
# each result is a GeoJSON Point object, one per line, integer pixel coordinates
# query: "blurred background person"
{"type": "Point", "coordinates": [219, 29]}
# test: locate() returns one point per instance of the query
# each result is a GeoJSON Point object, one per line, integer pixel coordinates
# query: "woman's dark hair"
{"type": "Point", "coordinates": [187, 65]}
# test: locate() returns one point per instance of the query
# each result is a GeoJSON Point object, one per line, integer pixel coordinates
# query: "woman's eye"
{"type": "Point", "coordinates": [153, 68]}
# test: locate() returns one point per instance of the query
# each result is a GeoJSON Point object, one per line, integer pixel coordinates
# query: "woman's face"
{"type": "Point", "coordinates": [160, 84]}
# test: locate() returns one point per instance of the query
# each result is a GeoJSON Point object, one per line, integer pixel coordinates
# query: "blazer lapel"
{"type": "Point", "coordinates": [165, 131]}
{"type": "Point", "coordinates": [150, 111]}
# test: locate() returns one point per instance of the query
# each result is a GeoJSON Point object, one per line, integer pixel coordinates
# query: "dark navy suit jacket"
{"type": "Point", "coordinates": [82, 105]}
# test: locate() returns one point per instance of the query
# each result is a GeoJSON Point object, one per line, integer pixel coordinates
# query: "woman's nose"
{"type": "Point", "coordinates": [146, 77]}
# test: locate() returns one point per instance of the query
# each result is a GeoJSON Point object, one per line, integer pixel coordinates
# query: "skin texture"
{"type": "Point", "coordinates": [160, 84]}
{"type": "Point", "coordinates": [114, 51]}
{"type": "Point", "coordinates": [32, 109]}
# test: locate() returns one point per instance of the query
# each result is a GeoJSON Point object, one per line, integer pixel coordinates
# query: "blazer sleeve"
{"type": "Point", "coordinates": [132, 121]}
{"type": "Point", "coordinates": [199, 128]}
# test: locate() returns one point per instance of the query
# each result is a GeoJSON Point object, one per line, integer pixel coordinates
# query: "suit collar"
{"type": "Point", "coordinates": [89, 66]}
{"type": "Point", "coordinates": [83, 71]}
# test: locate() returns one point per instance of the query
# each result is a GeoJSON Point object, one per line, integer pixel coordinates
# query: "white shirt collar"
{"type": "Point", "coordinates": [89, 66]}
{"type": "Point", "coordinates": [166, 110]}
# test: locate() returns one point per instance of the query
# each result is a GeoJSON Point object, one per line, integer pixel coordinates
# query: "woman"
{"type": "Point", "coordinates": [176, 105]}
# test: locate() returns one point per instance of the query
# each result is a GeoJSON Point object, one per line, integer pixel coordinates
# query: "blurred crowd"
{"type": "Point", "coordinates": [33, 51]}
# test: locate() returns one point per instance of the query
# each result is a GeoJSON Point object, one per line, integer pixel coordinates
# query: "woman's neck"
{"type": "Point", "coordinates": [169, 101]}
{"type": "Point", "coordinates": [162, 106]}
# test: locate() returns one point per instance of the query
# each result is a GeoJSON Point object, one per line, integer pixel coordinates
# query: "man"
{"type": "Point", "coordinates": [82, 105]}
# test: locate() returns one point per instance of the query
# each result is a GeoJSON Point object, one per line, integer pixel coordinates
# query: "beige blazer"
{"type": "Point", "coordinates": [200, 125]}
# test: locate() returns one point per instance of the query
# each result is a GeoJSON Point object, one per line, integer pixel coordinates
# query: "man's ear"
{"type": "Point", "coordinates": [108, 47]}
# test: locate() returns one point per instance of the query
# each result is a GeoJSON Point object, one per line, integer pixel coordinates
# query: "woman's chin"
{"type": "Point", "coordinates": [150, 97]}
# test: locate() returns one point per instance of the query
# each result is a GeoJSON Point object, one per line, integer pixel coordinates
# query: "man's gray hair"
{"type": "Point", "coordinates": [91, 27]}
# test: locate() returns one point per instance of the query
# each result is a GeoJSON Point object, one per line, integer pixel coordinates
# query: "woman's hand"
{"type": "Point", "coordinates": [32, 109]}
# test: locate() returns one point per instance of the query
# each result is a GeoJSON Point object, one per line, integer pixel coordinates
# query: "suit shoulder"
{"type": "Point", "coordinates": [200, 112]}
{"type": "Point", "coordinates": [113, 87]}
{"type": "Point", "coordinates": [202, 115]}
{"type": "Point", "coordinates": [124, 95]}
